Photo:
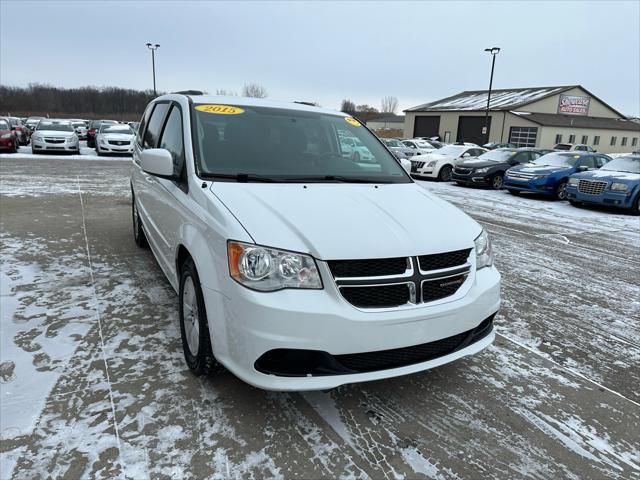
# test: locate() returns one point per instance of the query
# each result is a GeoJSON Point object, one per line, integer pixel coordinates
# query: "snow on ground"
{"type": "Point", "coordinates": [93, 383]}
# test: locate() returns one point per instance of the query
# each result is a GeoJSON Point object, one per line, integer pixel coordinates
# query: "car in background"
{"type": "Point", "coordinates": [134, 125]}
{"type": "Point", "coordinates": [494, 145]}
{"type": "Point", "coordinates": [488, 169]}
{"type": "Point", "coordinates": [55, 136]}
{"type": "Point", "coordinates": [615, 184]}
{"type": "Point", "coordinates": [8, 140]}
{"type": "Point", "coordinates": [31, 123]}
{"type": "Point", "coordinates": [354, 149]}
{"type": "Point", "coordinates": [419, 146]}
{"type": "Point", "coordinates": [81, 128]}
{"type": "Point", "coordinates": [19, 129]}
{"type": "Point", "coordinates": [433, 141]}
{"type": "Point", "coordinates": [574, 147]}
{"type": "Point", "coordinates": [439, 164]}
{"type": "Point", "coordinates": [549, 174]}
{"type": "Point", "coordinates": [399, 149]}
{"type": "Point", "coordinates": [116, 138]}
{"type": "Point", "coordinates": [94, 127]}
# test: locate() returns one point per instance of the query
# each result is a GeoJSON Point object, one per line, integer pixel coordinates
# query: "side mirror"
{"type": "Point", "coordinates": [157, 161]}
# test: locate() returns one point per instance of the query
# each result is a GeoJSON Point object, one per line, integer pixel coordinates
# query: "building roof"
{"type": "Point", "coordinates": [388, 118]}
{"type": "Point", "coordinates": [578, 121]}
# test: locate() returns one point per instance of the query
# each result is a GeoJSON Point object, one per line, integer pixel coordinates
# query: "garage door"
{"type": "Point", "coordinates": [470, 130]}
{"type": "Point", "coordinates": [426, 126]}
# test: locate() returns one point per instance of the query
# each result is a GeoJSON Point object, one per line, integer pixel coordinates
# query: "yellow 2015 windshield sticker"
{"type": "Point", "coordinates": [352, 121]}
{"type": "Point", "coordinates": [220, 109]}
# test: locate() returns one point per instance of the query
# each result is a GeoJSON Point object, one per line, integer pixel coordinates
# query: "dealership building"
{"type": "Point", "coordinates": [526, 117]}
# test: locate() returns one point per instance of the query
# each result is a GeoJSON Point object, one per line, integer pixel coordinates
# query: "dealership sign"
{"type": "Point", "coordinates": [574, 105]}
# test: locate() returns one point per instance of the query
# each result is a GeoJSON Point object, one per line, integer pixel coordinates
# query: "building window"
{"type": "Point", "coordinates": [559, 138]}
{"type": "Point", "coordinates": [624, 141]}
{"type": "Point", "coordinates": [572, 139]}
{"type": "Point", "coordinates": [613, 140]}
{"type": "Point", "coordinates": [585, 139]}
{"type": "Point", "coordinates": [634, 141]}
{"type": "Point", "coordinates": [596, 140]}
{"type": "Point", "coordinates": [523, 136]}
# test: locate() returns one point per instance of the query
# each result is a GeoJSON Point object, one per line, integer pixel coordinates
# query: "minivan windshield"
{"type": "Point", "coordinates": [557, 160]}
{"type": "Point", "coordinates": [629, 164]}
{"type": "Point", "coordinates": [285, 145]}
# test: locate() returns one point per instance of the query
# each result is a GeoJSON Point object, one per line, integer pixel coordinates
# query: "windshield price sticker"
{"type": "Point", "coordinates": [220, 109]}
{"type": "Point", "coordinates": [352, 121]}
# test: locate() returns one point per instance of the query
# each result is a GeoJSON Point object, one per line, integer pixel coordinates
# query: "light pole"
{"type": "Point", "coordinates": [153, 47]}
{"type": "Point", "coordinates": [493, 51]}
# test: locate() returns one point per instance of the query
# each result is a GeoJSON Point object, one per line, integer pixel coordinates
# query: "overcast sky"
{"type": "Point", "coordinates": [325, 51]}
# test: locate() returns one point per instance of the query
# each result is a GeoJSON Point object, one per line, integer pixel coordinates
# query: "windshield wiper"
{"type": "Point", "coordinates": [332, 178]}
{"type": "Point", "coordinates": [242, 177]}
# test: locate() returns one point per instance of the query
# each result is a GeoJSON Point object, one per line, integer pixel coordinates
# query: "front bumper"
{"type": "Point", "coordinates": [246, 324]}
{"type": "Point", "coordinates": [121, 149]}
{"type": "Point", "coordinates": [545, 185]}
{"type": "Point", "coordinates": [42, 146]}
{"type": "Point", "coordinates": [611, 198]}
{"type": "Point", "coordinates": [424, 171]}
{"type": "Point", "coordinates": [8, 143]}
{"type": "Point", "coordinates": [472, 179]}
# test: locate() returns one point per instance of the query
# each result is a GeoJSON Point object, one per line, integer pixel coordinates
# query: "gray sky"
{"type": "Point", "coordinates": [326, 51]}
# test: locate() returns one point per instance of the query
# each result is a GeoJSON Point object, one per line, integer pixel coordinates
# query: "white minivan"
{"type": "Point", "coordinates": [298, 268]}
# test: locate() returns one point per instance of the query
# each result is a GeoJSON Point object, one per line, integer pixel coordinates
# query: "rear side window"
{"type": "Point", "coordinates": [152, 134]}
{"type": "Point", "coordinates": [172, 139]}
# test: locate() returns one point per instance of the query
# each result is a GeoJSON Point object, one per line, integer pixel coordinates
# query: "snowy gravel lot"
{"type": "Point", "coordinates": [93, 384]}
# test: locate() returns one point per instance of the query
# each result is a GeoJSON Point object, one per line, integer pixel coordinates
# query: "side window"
{"type": "Point", "coordinates": [152, 133]}
{"type": "Point", "coordinates": [600, 161]}
{"type": "Point", "coordinates": [521, 157]}
{"type": "Point", "coordinates": [588, 162]}
{"type": "Point", "coordinates": [143, 124]}
{"type": "Point", "coordinates": [172, 139]}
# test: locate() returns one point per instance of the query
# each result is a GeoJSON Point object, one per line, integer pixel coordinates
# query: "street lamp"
{"type": "Point", "coordinates": [153, 47]}
{"type": "Point", "coordinates": [493, 51]}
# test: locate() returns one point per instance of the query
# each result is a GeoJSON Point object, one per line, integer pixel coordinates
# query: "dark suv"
{"type": "Point", "coordinates": [94, 127]}
{"type": "Point", "coordinates": [488, 169]}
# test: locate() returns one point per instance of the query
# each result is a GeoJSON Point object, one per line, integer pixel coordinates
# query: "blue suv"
{"type": "Point", "coordinates": [616, 184]}
{"type": "Point", "coordinates": [549, 174]}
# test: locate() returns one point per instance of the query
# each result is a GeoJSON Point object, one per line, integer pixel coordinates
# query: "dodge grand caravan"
{"type": "Point", "coordinates": [297, 267]}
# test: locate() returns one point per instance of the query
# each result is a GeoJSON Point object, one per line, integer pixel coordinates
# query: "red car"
{"type": "Point", "coordinates": [8, 140]}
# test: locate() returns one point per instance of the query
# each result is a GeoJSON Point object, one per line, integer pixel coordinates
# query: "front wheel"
{"type": "Point", "coordinates": [445, 173]}
{"type": "Point", "coordinates": [561, 190]}
{"type": "Point", "coordinates": [635, 208]}
{"type": "Point", "coordinates": [513, 192]}
{"type": "Point", "coordinates": [194, 329]}
{"type": "Point", "coordinates": [497, 181]}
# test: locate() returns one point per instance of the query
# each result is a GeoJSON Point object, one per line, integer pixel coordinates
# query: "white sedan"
{"type": "Point", "coordinates": [115, 138]}
{"type": "Point", "coordinates": [420, 146]}
{"type": "Point", "coordinates": [440, 163]}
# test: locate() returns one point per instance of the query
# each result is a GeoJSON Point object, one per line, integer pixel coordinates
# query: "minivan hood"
{"type": "Point", "coordinates": [348, 221]}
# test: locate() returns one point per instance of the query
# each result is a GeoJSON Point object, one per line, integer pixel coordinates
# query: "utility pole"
{"type": "Point", "coordinates": [153, 47]}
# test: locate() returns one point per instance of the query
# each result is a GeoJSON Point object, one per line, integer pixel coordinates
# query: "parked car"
{"type": "Point", "coordinates": [574, 147]}
{"type": "Point", "coordinates": [615, 184]}
{"type": "Point", "coordinates": [354, 149]}
{"type": "Point", "coordinates": [55, 136]}
{"type": "Point", "coordinates": [488, 169]}
{"type": "Point", "coordinates": [548, 175]}
{"type": "Point", "coordinates": [398, 148]}
{"type": "Point", "coordinates": [494, 145]}
{"type": "Point", "coordinates": [297, 268]}
{"type": "Point", "coordinates": [19, 129]}
{"type": "Point", "coordinates": [31, 123]}
{"type": "Point", "coordinates": [433, 141]}
{"type": "Point", "coordinates": [134, 125]}
{"type": "Point", "coordinates": [8, 140]}
{"type": "Point", "coordinates": [94, 127]}
{"type": "Point", "coordinates": [421, 147]}
{"type": "Point", "coordinates": [81, 128]}
{"type": "Point", "coordinates": [116, 138]}
{"type": "Point", "coordinates": [439, 164]}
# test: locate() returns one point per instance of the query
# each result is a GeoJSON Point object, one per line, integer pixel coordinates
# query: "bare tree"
{"type": "Point", "coordinates": [347, 106]}
{"type": "Point", "coordinates": [389, 104]}
{"type": "Point", "coordinates": [366, 108]}
{"type": "Point", "coordinates": [254, 90]}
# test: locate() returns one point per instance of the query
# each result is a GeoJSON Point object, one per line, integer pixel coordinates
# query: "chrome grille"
{"type": "Point", "coordinates": [522, 175]}
{"type": "Point", "coordinates": [53, 140]}
{"type": "Point", "coordinates": [462, 171]}
{"type": "Point", "coordinates": [591, 187]}
{"type": "Point", "coordinates": [417, 164]}
{"type": "Point", "coordinates": [118, 142]}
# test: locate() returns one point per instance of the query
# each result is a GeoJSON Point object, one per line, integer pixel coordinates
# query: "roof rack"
{"type": "Point", "coordinates": [189, 92]}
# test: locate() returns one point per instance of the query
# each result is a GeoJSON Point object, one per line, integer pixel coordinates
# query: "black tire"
{"type": "Point", "coordinates": [444, 175]}
{"type": "Point", "coordinates": [513, 192]}
{"type": "Point", "coordinates": [138, 232]}
{"type": "Point", "coordinates": [635, 208]}
{"type": "Point", "coordinates": [201, 362]}
{"type": "Point", "coordinates": [561, 193]}
{"type": "Point", "coordinates": [574, 203]}
{"type": "Point", "coordinates": [497, 181]}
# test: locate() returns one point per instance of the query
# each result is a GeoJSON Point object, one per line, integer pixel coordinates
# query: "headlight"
{"type": "Point", "coordinates": [267, 269]}
{"type": "Point", "coordinates": [573, 181]}
{"type": "Point", "coordinates": [6, 135]}
{"type": "Point", "coordinates": [36, 136]}
{"type": "Point", "coordinates": [482, 170]}
{"type": "Point", "coordinates": [72, 139]}
{"type": "Point", "coordinates": [103, 141]}
{"type": "Point", "coordinates": [619, 186]}
{"type": "Point", "coordinates": [484, 252]}
{"type": "Point", "coordinates": [432, 163]}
